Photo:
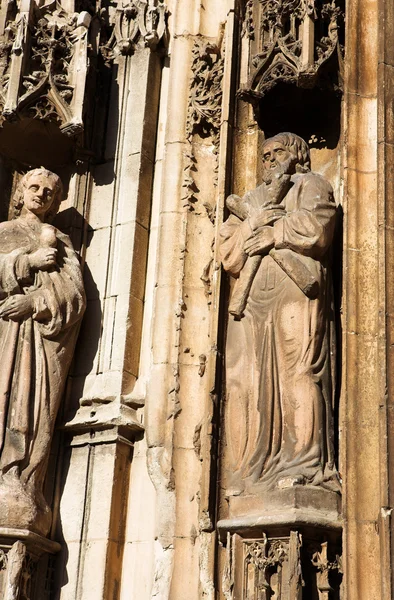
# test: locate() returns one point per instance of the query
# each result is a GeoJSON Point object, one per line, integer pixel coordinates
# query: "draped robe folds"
{"type": "Point", "coordinates": [35, 352]}
{"type": "Point", "coordinates": [280, 355]}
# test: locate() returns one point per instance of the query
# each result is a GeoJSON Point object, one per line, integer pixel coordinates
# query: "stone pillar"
{"type": "Point", "coordinates": [386, 251]}
{"type": "Point", "coordinates": [180, 412]}
{"type": "Point", "coordinates": [103, 411]}
{"type": "Point", "coordinates": [368, 299]}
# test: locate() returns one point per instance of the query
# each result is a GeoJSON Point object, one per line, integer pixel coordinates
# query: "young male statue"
{"type": "Point", "coordinates": [42, 301]}
{"type": "Point", "coordinates": [280, 350]}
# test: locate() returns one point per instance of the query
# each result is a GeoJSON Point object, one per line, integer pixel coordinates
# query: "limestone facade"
{"type": "Point", "coordinates": [156, 115]}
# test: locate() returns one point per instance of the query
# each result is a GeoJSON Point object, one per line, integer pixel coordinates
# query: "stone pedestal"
{"type": "Point", "coordinates": [285, 544]}
{"type": "Point", "coordinates": [25, 572]}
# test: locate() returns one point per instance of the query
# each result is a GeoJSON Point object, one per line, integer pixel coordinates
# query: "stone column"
{"type": "Point", "coordinates": [368, 300]}
{"type": "Point", "coordinates": [386, 250]}
{"type": "Point", "coordinates": [103, 411]}
{"type": "Point", "coordinates": [180, 411]}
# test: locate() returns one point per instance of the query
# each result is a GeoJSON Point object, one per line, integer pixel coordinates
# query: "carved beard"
{"type": "Point", "coordinates": [285, 168]}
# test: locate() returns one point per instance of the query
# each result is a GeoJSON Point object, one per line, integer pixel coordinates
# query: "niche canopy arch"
{"type": "Point", "coordinates": [44, 63]}
{"type": "Point", "coordinates": [295, 42]}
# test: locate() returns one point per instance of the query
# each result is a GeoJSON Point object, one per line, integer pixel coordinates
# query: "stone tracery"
{"type": "Point", "coordinates": [44, 66]}
{"type": "Point", "coordinates": [294, 42]}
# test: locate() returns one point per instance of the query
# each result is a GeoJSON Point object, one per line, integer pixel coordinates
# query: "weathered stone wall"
{"type": "Point", "coordinates": [158, 137]}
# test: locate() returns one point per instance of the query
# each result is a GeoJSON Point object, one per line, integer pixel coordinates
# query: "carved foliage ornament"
{"type": "Point", "coordinates": [43, 64]}
{"type": "Point", "coordinates": [291, 41]}
{"type": "Point", "coordinates": [205, 99]}
{"type": "Point", "coordinates": [320, 561]}
{"type": "Point", "coordinates": [136, 20]}
{"type": "Point", "coordinates": [272, 568]}
{"type": "Point", "coordinates": [288, 567]}
{"type": "Point", "coordinates": [205, 108]}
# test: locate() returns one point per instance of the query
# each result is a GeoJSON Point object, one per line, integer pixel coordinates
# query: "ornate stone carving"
{"type": "Point", "coordinates": [42, 303]}
{"type": "Point", "coordinates": [19, 573]}
{"type": "Point", "coordinates": [205, 108]}
{"type": "Point", "coordinates": [294, 40]}
{"type": "Point", "coordinates": [263, 555]}
{"type": "Point", "coordinates": [280, 351]}
{"type": "Point", "coordinates": [134, 21]}
{"type": "Point", "coordinates": [289, 567]}
{"type": "Point", "coordinates": [21, 576]}
{"type": "Point", "coordinates": [272, 568]}
{"type": "Point", "coordinates": [43, 64]}
{"type": "Point", "coordinates": [320, 560]}
{"type": "Point", "coordinates": [205, 99]}
{"type": "Point", "coordinates": [248, 24]}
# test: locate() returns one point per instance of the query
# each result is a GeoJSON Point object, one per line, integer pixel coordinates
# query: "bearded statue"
{"type": "Point", "coordinates": [280, 349]}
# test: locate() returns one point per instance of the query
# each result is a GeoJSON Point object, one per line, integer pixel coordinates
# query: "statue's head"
{"type": "Point", "coordinates": [41, 191]}
{"type": "Point", "coordinates": [286, 153]}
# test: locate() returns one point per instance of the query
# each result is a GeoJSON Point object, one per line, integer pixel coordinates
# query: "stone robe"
{"type": "Point", "coordinates": [35, 354]}
{"type": "Point", "coordinates": [280, 354]}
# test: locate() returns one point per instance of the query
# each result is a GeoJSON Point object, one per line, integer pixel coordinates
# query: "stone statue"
{"type": "Point", "coordinates": [42, 301]}
{"type": "Point", "coordinates": [280, 351]}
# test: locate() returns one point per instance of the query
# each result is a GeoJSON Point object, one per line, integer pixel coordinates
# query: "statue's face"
{"type": "Point", "coordinates": [38, 195]}
{"type": "Point", "coordinates": [277, 157]}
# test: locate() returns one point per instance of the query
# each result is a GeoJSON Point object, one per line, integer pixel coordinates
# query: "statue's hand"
{"type": "Point", "coordinates": [16, 308]}
{"type": "Point", "coordinates": [261, 242]}
{"type": "Point", "coordinates": [43, 259]}
{"type": "Point", "coordinates": [266, 217]}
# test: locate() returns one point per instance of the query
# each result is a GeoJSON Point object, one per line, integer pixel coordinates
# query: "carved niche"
{"type": "Point", "coordinates": [293, 41]}
{"type": "Point", "coordinates": [43, 64]}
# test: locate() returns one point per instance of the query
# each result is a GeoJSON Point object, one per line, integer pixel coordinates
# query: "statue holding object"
{"type": "Point", "coordinates": [280, 350]}
{"type": "Point", "coordinates": [42, 302]}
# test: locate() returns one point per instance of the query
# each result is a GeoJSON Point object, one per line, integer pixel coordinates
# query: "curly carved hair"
{"type": "Point", "coordinates": [57, 198]}
{"type": "Point", "coordinates": [298, 148]}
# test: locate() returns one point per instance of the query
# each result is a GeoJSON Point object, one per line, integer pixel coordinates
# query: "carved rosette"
{"type": "Point", "coordinates": [43, 64]}
{"type": "Point", "coordinates": [136, 21]}
{"type": "Point", "coordinates": [291, 42]}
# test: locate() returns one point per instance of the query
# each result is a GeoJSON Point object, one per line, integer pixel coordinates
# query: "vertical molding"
{"type": "Point", "coordinates": [210, 430]}
{"type": "Point", "coordinates": [386, 287]}
{"type": "Point", "coordinates": [108, 418]}
{"type": "Point", "coordinates": [162, 404]}
{"type": "Point", "coordinates": [363, 459]}
{"type": "Point", "coordinates": [182, 391]}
